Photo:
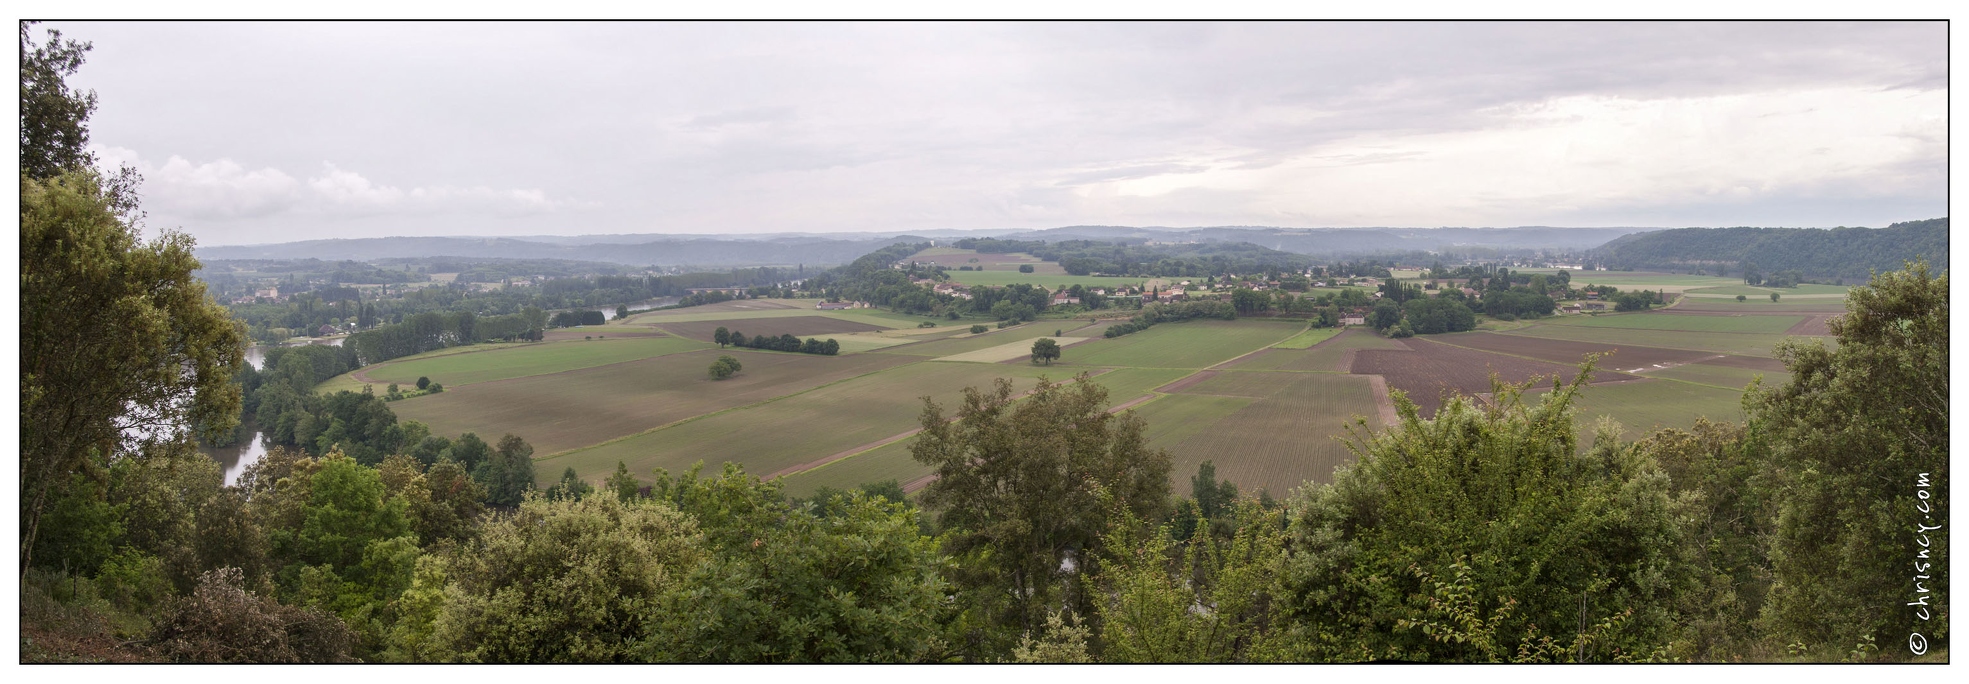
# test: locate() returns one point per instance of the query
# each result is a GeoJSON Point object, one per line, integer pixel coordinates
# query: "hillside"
{"type": "Point", "coordinates": [1835, 253]}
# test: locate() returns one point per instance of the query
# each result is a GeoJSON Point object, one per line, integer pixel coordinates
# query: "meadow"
{"type": "Point", "coordinates": [1684, 322]}
{"type": "Point", "coordinates": [561, 411]}
{"type": "Point", "coordinates": [1748, 344]}
{"type": "Point", "coordinates": [458, 370]}
{"type": "Point", "coordinates": [1804, 290]}
{"type": "Point", "coordinates": [1187, 344]}
{"type": "Point", "coordinates": [1308, 338]}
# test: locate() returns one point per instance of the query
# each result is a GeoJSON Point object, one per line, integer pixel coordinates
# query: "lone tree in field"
{"type": "Point", "coordinates": [1774, 296]}
{"type": "Point", "coordinates": [724, 367]}
{"type": "Point", "coordinates": [1025, 268]}
{"type": "Point", "coordinates": [1740, 298]}
{"type": "Point", "coordinates": [722, 336]}
{"type": "Point", "coordinates": [423, 382]}
{"type": "Point", "coordinates": [1045, 350]}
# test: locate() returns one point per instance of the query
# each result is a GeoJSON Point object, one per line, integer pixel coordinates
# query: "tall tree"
{"type": "Point", "coordinates": [1017, 492]}
{"type": "Point", "coordinates": [1859, 439]}
{"type": "Point", "coordinates": [146, 366]}
{"type": "Point", "coordinates": [54, 118]}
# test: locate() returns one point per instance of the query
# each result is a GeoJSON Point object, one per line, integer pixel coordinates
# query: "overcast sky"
{"type": "Point", "coordinates": [254, 133]}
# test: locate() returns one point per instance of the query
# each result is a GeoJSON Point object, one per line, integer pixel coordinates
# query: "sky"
{"type": "Point", "coordinates": [252, 133]}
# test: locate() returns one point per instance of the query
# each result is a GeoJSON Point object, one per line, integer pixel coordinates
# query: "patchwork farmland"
{"type": "Point", "coordinates": [1268, 402]}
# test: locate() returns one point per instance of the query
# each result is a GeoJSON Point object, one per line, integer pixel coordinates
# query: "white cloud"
{"type": "Point", "coordinates": [223, 190]}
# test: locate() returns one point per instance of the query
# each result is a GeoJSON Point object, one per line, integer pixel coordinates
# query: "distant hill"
{"type": "Point", "coordinates": [1824, 253]}
{"type": "Point", "coordinates": [1342, 241]}
{"type": "Point", "coordinates": [650, 251]}
{"type": "Point", "coordinates": [786, 249]}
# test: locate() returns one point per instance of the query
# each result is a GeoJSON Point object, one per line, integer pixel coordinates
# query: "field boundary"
{"type": "Point", "coordinates": [1383, 402]}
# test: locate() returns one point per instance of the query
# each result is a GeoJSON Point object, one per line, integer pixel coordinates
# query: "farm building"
{"type": "Point", "coordinates": [832, 306]}
{"type": "Point", "coordinates": [1064, 298]}
{"type": "Point", "coordinates": [1353, 319]}
{"type": "Point", "coordinates": [726, 290]}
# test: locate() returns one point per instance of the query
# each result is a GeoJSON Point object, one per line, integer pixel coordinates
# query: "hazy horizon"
{"type": "Point", "coordinates": [260, 133]}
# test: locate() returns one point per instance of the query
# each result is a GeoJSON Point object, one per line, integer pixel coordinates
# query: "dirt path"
{"type": "Point", "coordinates": [1186, 381]}
{"type": "Point", "coordinates": [1383, 402]}
{"type": "Point", "coordinates": [836, 456]}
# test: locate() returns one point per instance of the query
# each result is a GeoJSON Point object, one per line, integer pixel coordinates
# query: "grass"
{"type": "Point", "coordinates": [458, 370]}
{"type": "Point", "coordinates": [1723, 343]}
{"type": "Point", "coordinates": [1128, 384]}
{"type": "Point", "coordinates": [1763, 305]}
{"type": "Point", "coordinates": [584, 407]}
{"type": "Point", "coordinates": [1308, 338]}
{"type": "Point", "coordinates": [1718, 376]}
{"type": "Point", "coordinates": [1187, 344]}
{"type": "Point", "coordinates": [1643, 407]}
{"type": "Point", "coordinates": [890, 462]}
{"type": "Point", "coordinates": [1661, 321]}
{"type": "Point", "coordinates": [800, 428]}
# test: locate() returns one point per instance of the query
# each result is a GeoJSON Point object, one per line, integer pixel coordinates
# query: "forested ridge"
{"type": "Point", "coordinates": [1814, 531]}
{"type": "Point", "coordinates": [1846, 253]}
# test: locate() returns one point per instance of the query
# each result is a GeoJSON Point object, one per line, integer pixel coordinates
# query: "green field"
{"type": "Point", "coordinates": [801, 428]}
{"type": "Point", "coordinates": [1746, 344]}
{"type": "Point", "coordinates": [892, 461]}
{"type": "Point", "coordinates": [1046, 280]}
{"type": "Point", "coordinates": [1187, 344]}
{"type": "Point", "coordinates": [1642, 407]}
{"type": "Point", "coordinates": [1325, 357]}
{"type": "Point", "coordinates": [1763, 305]}
{"type": "Point", "coordinates": [573, 409]}
{"type": "Point", "coordinates": [1690, 323]}
{"type": "Point", "coordinates": [1718, 376]}
{"type": "Point", "coordinates": [1308, 338]}
{"type": "Point", "coordinates": [1765, 292]}
{"type": "Point", "coordinates": [457, 370]}
{"type": "Point", "coordinates": [1282, 434]}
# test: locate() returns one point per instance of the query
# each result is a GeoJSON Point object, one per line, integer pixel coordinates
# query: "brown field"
{"type": "Point", "coordinates": [736, 305]}
{"type": "Point", "coordinates": [559, 334]}
{"type": "Point", "coordinates": [560, 411]}
{"type": "Point", "coordinates": [1285, 431]}
{"type": "Point", "coordinates": [1571, 353]}
{"type": "Point", "coordinates": [1333, 355]}
{"type": "Point", "coordinates": [1430, 369]}
{"type": "Point", "coordinates": [800, 326]}
{"type": "Point", "coordinates": [1813, 325]}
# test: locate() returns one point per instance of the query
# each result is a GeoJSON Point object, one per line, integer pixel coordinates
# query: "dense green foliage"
{"type": "Point", "coordinates": [1169, 313]}
{"type": "Point", "coordinates": [1837, 253]}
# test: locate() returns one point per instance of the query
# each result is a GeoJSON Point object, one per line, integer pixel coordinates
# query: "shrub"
{"type": "Point", "coordinates": [1025, 268]}
{"type": "Point", "coordinates": [724, 367]}
{"type": "Point", "coordinates": [436, 387]}
{"type": "Point", "coordinates": [978, 329]}
{"type": "Point", "coordinates": [222, 622]}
